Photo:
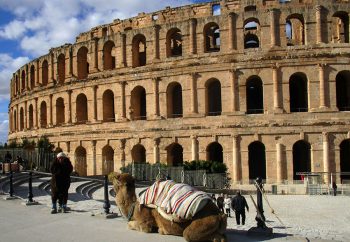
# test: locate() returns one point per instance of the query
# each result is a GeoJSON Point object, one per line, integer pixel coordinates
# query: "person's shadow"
{"type": "Point", "coordinates": [243, 236]}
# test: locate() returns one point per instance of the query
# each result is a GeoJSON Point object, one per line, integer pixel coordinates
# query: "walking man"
{"type": "Point", "coordinates": [238, 206]}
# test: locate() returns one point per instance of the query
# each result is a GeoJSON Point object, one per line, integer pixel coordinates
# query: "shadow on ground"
{"type": "Point", "coordinates": [243, 236]}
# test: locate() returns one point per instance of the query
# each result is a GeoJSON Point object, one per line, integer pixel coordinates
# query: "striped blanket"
{"type": "Point", "coordinates": [178, 201]}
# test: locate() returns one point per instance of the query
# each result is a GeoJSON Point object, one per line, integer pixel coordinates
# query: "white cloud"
{"type": "Point", "coordinates": [13, 30]}
{"type": "Point", "coordinates": [4, 124]}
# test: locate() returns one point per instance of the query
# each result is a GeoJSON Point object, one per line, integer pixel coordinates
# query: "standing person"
{"type": "Point", "coordinates": [227, 205]}
{"type": "Point", "coordinates": [238, 206]}
{"type": "Point", "coordinates": [220, 202]}
{"type": "Point", "coordinates": [61, 169]}
{"type": "Point", "coordinates": [8, 157]}
{"type": "Point", "coordinates": [334, 186]}
{"type": "Point", "coordinates": [213, 198]}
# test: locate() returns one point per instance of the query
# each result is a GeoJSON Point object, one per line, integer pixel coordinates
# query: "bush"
{"type": "Point", "coordinates": [209, 166]}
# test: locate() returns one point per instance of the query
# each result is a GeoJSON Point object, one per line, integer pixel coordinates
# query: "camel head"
{"type": "Point", "coordinates": [124, 187]}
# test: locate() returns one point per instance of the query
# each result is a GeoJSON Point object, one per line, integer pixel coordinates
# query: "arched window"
{"type": "Point", "coordinates": [251, 34]}
{"type": "Point", "coordinates": [174, 43]}
{"type": "Point", "coordinates": [108, 106]}
{"type": "Point", "coordinates": [32, 77]}
{"type": "Point", "coordinates": [45, 73]}
{"type": "Point", "coordinates": [212, 41]}
{"type": "Point", "coordinates": [340, 27]}
{"type": "Point", "coordinates": [343, 90]}
{"type": "Point", "coordinates": [31, 113]}
{"type": "Point", "coordinates": [174, 100]}
{"type": "Point", "coordinates": [254, 94]}
{"type": "Point", "coordinates": [175, 155]}
{"type": "Point", "coordinates": [257, 160]}
{"type": "Point", "coordinates": [301, 158]}
{"type": "Point", "coordinates": [295, 31]}
{"type": "Point", "coordinates": [61, 68]}
{"type": "Point", "coordinates": [345, 158]}
{"type": "Point", "coordinates": [15, 120]}
{"type": "Point", "coordinates": [81, 108]}
{"type": "Point", "coordinates": [139, 50]}
{"type": "Point", "coordinates": [60, 117]}
{"type": "Point", "coordinates": [23, 79]}
{"type": "Point", "coordinates": [21, 119]}
{"type": "Point", "coordinates": [83, 64]}
{"type": "Point", "coordinates": [107, 160]}
{"type": "Point", "coordinates": [80, 161]}
{"type": "Point", "coordinates": [138, 104]}
{"type": "Point", "coordinates": [213, 97]}
{"type": "Point", "coordinates": [108, 56]}
{"type": "Point", "coordinates": [215, 152]}
{"type": "Point", "coordinates": [298, 93]}
{"type": "Point", "coordinates": [138, 154]}
{"type": "Point", "coordinates": [43, 114]}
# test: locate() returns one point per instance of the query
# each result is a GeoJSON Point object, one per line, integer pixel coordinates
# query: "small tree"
{"type": "Point", "coordinates": [44, 143]}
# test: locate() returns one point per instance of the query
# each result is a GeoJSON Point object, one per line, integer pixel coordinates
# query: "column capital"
{"type": "Point", "coordinates": [122, 144]}
{"type": "Point", "coordinates": [93, 143]}
{"type": "Point", "coordinates": [156, 141]}
{"type": "Point", "coordinates": [194, 137]}
{"type": "Point", "coordinates": [325, 136]}
{"type": "Point", "coordinates": [318, 8]}
{"type": "Point", "coordinates": [275, 66]}
{"type": "Point", "coordinates": [156, 79]}
{"type": "Point", "coordinates": [235, 136]}
{"type": "Point", "coordinates": [69, 91]}
{"type": "Point", "coordinates": [193, 20]}
{"type": "Point", "coordinates": [322, 65]}
{"type": "Point", "coordinates": [156, 27]}
{"type": "Point", "coordinates": [193, 74]}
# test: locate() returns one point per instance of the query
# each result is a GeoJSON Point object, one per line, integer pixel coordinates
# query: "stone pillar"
{"type": "Point", "coordinates": [52, 69]}
{"type": "Point", "coordinates": [321, 69]}
{"type": "Point", "coordinates": [156, 96]}
{"type": "Point", "coordinates": [194, 147]}
{"type": "Point", "coordinates": [273, 27]}
{"type": "Point", "coordinates": [194, 108]}
{"type": "Point", "coordinates": [69, 106]}
{"type": "Point", "coordinates": [95, 103]}
{"type": "Point", "coordinates": [156, 42]}
{"type": "Point", "coordinates": [276, 94]}
{"type": "Point", "coordinates": [279, 163]}
{"type": "Point", "coordinates": [123, 106]}
{"type": "Point", "coordinates": [25, 116]}
{"type": "Point", "coordinates": [27, 77]}
{"type": "Point", "coordinates": [232, 31]}
{"type": "Point", "coordinates": [236, 162]}
{"type": "Point", "coordinates": [325, 156]}
{"type": "Point", "coordinates": [70, 68]}
{"type": "Point", "coordinates": [94, 165]}
{"type": "Point", "coordinates": [50, 111]}
{"type": "Point", "coordinates": [234, 91]}
{"type": "Point", "coordinates": [11, 120]}
{"type": "Point", "coordinates": [95, 54]}
{"type": "Point", "coordinates": [37, 72]}
{"type": "Point", "coordinates": [156, 151]}
{"type": "Point", "coordinates": [36, 124]}
{"type": "Point", "coordinates": [122, 152]}
{"type": "Point", "coordinates": [122, 57]}
{"type": "Point", "coordinates": [193, 36]}
{"type": "Point", "coordinates": [318, 9]}
{"type": "Point", "coordinates": [17, 119]}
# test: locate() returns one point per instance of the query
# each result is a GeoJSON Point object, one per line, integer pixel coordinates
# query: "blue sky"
{"type": "Point", "coordinates": [29, 28]}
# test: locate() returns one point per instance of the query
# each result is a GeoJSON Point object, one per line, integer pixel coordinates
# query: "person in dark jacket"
{"type": "Point", "coordinates": [61, 169]}
{"type": "Point", "coordinates": [220, 202]}
{"type": "Point", "coordinates": [238, 206]}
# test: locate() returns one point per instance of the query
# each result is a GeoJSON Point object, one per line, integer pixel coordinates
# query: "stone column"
{"type": "Point", "coordinates": [234, 90]}
{"type": "Point", "coordinates": [69, 106]}
{"type": "Point", "coordinates": [273, 27]}
{"type": "Point", "coordinates": [36, 124]}
{"type": "Point", "coordinates": [122, 152]}
{"type": "Point", "coordinates": [52, 69]}
{"type": "Point", "coordinates": [156, 42]}
{"type": "Point", "coordinates": [236, 162]}
{"type": "Point", "coordinates": [194, 147]}
{"type": "Point", "coordinates": [193, 36]}
{"type": "Point", "coordinates": [122, 57]}
{"type": "Point", "coordinates": [95, 54]}
{"type": "Point", "coordinates": [50, 111]}
{"type": "Point", "coordinates": [279, 162]}
{"type": "Point", "coordinates": [276, 94]}
{"type": "Point", "coordinates": [318, 9]}
{"type": "Point", "coordinates": [11, 120]}
{"type": "Point", "coordinates": [156, 96]}
{"type": "Point", "coordinates": [156, 150]}
{"type": "Point", "coordinates": [94, 165]}
{"type": "Point", "coordinates": [70, 68]}
{"type": "Point", "coordinates": [17, 119]}
{"type": "Point", "coordinates": [95, 103]}
{"type": "Point", "coordinates": [232, 31]}
{"type": "Point", "coordinates": [325, 156]}
{"type": "Point", "coordinates": [194, 108]}
{"type": "Point", "coordinates": [123, 106]}
{"type": "Point", "coordinates": [27, 77]}
{"type": "Point", "coordinates": [37, 72]}
{"type": "Point", "coordinates": [321, 69]}
{"type": "Point", "coordinates": [25, 116]}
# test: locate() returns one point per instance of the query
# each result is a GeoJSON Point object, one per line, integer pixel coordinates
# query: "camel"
{"type": "Point", "coordinates": [208, 224]}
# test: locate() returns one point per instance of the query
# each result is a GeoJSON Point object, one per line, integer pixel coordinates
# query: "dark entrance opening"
{"type": "Point", "coordinates": [254, 92]}
{"type": "Point", "coordinates": [257, 160]}
{"type": "Point", "coordinates": [343, 91]}
{"type": "Point", "coordinates": [345, 159]}
{"type": "Point", "coordinates": [138, 154]}
{"type": "Point", "coordinates": [215, 152]}
{"type": "Point", "coordinates": [175, 155]}
{"type": "Point", "coordinates": [301, 158]}
{"type": "Point", "coordinates": [298, 93]}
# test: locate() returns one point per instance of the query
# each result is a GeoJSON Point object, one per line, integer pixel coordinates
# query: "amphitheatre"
{"type": "Point", "coordinates": [261, 85]}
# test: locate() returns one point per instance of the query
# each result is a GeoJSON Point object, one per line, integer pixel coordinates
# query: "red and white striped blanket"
{"type": "Point", "coordinates": [181, 201]}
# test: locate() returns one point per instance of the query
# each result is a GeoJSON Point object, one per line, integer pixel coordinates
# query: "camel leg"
{"type": "Point", "coordinates": [135, 225]}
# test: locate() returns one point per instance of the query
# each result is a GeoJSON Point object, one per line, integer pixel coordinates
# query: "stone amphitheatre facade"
{"type": "Point", "coordinates": [261, 85]}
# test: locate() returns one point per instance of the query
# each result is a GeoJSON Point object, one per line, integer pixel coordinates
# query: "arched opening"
{"type": "Point", "coordinates": [61, 68]}
{"type": "Point", "coordinates": [254, 94]}
{"type": "Point", "coordinates": [174, 100]}
{"type": "Point", "coordinates": [30, 119]}
{"type": "Point", "coordinates": [340, 27]}
{"type": "Point", "coordinates": [60, 117]}
{"type": "Point", "coordinates": [138, 104]}
{"type": "Point", "coordinates": [107, 160]}
{"type": "Point", "coordinates": [138, 154]}
{"type": "Point", "coordinates": [82, 108]}
{"type": "Point", "coordinates": [343, 90]}
{"type": "Point", "coordinates": [301, 158]}
{"type": "Point", "coordinates": [295, 32]}
{"type": "Point", "coordinates": [21, 119]}
{"type": "Point", "coordinates": [32, 77]}
{"type": "Point", "coordinates": [108, 106]}
{"type": "Point", "coordinates": [45, 73]}
{"type": "Point", "coordinates": [213, 97]}
{"type": "Point", "coordinates": [251, 34]}
{"type": "Point", "coordinates": [43, 114]}
{"type": "Point", "coordinates": [15, 120]}
{"type": "Point", "coordinates": [345, 159]}
{"type": "Point", "coordinates": [215, 152]}
{"type": "Point", "coordinates": [23, 79]}
{"type": "Point", "coordinates": [175, 155]}
{"type": "Point", "coordinates": [211, 33]}
{"type": "Point", "coordinates": [257, 160]}
{"type": "Point", "coordinates": [80, 161]}
{"type": "Point", "coordinates": [83, 64]}
{"type": "Point", "coordinates": [174, 43]}
{"type": "Point", "coordinates": [139, 50]}
{"type": "Point", "coordinates": [298, 93]}
{"type": "Point", "coordinates": [108, 56]}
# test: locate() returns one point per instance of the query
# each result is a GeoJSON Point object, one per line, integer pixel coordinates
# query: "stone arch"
{"type": "Point", "coordinates": [45, 73]}
{"type": "Point", "coordinates": [340, 27]}
{"type": "Point", "coordinates": [30, 118]}
{"type": "Point", "coordinates": [109, 55]}
{"type": "Point", "coordinates": [81, 108]}
{"type": "Point", "coordinates": [139, 50]}
{"type": "Point", "coordinates": [174, 155]}
{"type": "Point", "coordinates": [138, 104]}
{"type": "Point", "coordinates": [174, 100]}
{"type": "Point", "coordinates": [108, 106]}
{"type": "Point", "coordinates": [60, 111]}
{"type": "Point", "coordinates": [174, 43]}
{"type": "Point", "coordinates": [23, 80]}
{"type": "Point", "coordinates": [21, 119]}
{"type": "Point", "coordinates": [107, 160]}
{"type": "Point", "coordinates": [211, 32]}
{"type": "Point", "coordinates": [345, 158]}
{"type": "Point", "coordinates": [343, 90]}
{"type": "Point", "coordinates": [295, 29]}
{"type": "Point", "coordinates": [255, 95]}
{"type": "Point", "coordinates": [256, 160]}
{"type": "Point", "coordinates": [215, 152]}
{"type": "Point", "coordinates": [301, 158]}
{"type": "Point", "coordinates": [80, 165]}
{"type": "Point", "coordinates": [213, 97]}
{"type": "Point", "coordinates": [251, 33]}
{"type": "Point", "coordinates": [61, 68]}
{"type": "Point", "coordinates": [83, 64]}
{"type": "Point", "coordinates": [138, 154]}
{"type": "Point", "coordinates": [32, 76]}
{"type": "Point", "coordinates": [298, 92]}
{"type": "Point", "coordinates": [43, 114]}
